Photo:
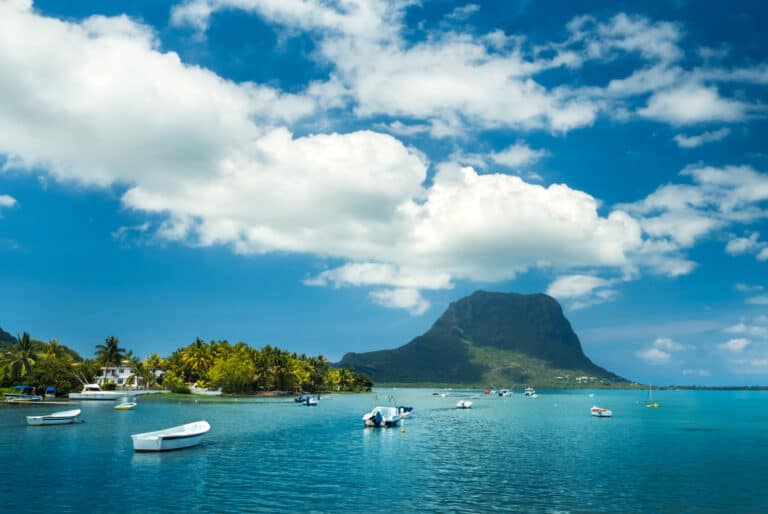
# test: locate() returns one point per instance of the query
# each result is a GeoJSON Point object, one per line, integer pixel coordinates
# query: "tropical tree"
{"type": "Point", "coordinates": [196, 360]}
{"type": "Point", "coordinates": [20, 358]}
{"type": "Point", "coordinates": [110, 352]}
{"type": "Point", "coordinates": [54, 350]}
{"type": "Point", "coordinates": [234, 374]}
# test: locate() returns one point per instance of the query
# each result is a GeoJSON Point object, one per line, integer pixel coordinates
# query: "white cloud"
{"type": "Point", "coordinates": [464, 12]}
{"type": "Point", "coordinates": [734, 345]}
{"type": "Point", "coordinates": [7, 201]}
{"type": "Point", "coordinates": [693, 103]}
{"type": "Point", "coordinates": [583, 290]}
{"type": "Point", "coordinates": [660, 351]}
{"type": "Point", "coordinates": [403, 298]}
{"type": "Point", "coordinates": [741, 245]}
{"type": "Point", "coordinates": [653, 355]}
{"type": "Point", "coordinates": [376, 274]}
{"type": "Point", "coordinates": [401, 129]}
{"type": "Point", "coordinates": [517, 155]}
{"type": "Point", "coordinates": [762, 255]}
{"type": "Point", "coordinates": [684, 141]}
{"type": "Point", "coordinates": [758, 300]}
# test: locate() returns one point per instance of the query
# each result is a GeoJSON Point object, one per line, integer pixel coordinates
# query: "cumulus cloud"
{"type": "Point", "coordinates": [750, 244]}
{"type": "Point", "coordinates": [684, 141]}
{"type": "Point", "coordinates": [734, 345]}
{"type": "Point", "coordinates": [517, 155]}
{"type": "Point", "coordinates": [7, 201]}
{"type": "Point", "coordinates": [693, 103]}
{"type": "Point", "coordinates": [660, 351]}
{"type": "Point", "coordinates": [582, 290]}
{"type": "Point", "coordinates": [758, 300]}
{"type": "Point", "coordinates": [403, 298]}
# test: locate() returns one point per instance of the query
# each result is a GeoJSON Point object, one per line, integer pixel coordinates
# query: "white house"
{"type": "Point", "coordinates": [120, 375]}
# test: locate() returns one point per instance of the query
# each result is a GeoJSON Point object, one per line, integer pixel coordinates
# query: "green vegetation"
{"type": "Point", "coordinates": [236, 368]}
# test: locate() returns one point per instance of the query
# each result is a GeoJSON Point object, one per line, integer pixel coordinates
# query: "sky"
{"type": "Point", "coordinates": [326, 176]}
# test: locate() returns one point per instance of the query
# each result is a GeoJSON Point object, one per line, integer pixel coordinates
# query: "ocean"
{"type": "Point", "coordinates": [701, 451]}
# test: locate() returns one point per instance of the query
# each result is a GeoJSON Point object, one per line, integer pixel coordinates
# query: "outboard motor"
{"type": "Point", "coordinates": [378, 418]}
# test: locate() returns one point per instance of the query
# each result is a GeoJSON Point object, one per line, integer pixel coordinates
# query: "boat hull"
{"type": "Point", "coordinates": [102, 395]}
{"type": "Point", "coordinates": [126, 406]}
{"type": "Point", "coordinates": [601, 413]}
{"type": "Point", "coordinates": [59, 418]}
{"type": "Point", "coordinates": [175, 438]}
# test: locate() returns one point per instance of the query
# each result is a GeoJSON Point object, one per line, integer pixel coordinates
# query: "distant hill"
{"type": "Point", "coordinates": [6, 339]}
{"type": "Point", "coordinates": [500, 339]}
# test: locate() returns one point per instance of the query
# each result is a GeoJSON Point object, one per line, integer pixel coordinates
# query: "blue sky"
{"type": "Point", "coordinates": [328, 175]}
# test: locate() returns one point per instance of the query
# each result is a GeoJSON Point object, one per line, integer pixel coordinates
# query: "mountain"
{"type": "Point", "coordinates": [6, 339]}
{"type": "Point", "coordinates": [499, 339]}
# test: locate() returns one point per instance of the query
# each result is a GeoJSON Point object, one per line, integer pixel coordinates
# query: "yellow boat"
{"type": "Point", "coordinates": [650, 403]}
{"type": "Point", "coordinates": [126, 406]}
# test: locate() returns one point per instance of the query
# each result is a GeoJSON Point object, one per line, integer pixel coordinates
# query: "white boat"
{"type": "Point", "coordinates": [310, 402]}
{"type": "Point", "coordinates": [464, 404]}
{"type": "Point", "coordinates": [64, 417]}
{"type": "Point", "coordinates": [210, 391]}
{"type": "Point", "coordinates": [382, 417]}
{"type": "Point", "coordinates": [125, 406]}
{"type": "Point", "coordinates": [530, 391]}
{"type": "Point", "coordinates": [600, 412]}
{"type": "Point", "coordinates": [94, 392]}
{"type": "Point", "coordinates": [504, 392]}
{"type": "Point", "coordinates": [174, 438]}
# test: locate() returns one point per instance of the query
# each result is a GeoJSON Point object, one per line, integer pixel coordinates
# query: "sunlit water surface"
{"type": "Point", "coordinates": [699, 452]}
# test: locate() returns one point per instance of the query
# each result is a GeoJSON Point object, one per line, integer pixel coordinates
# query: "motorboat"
{"type": "Point", "coordinates": [529, 391]}
{"type": "Point", "coordinates": [210, 391]}
{"type": "Point", "coordinates": [504, 392]}
{"type": "Point", "coordinates": [464, 404]}
{"type": "Point", "coordinates": [24, 394]}
{"type": "Point", "coordinates": [174, 438]}
{"type": "Point", "coordinates": [600, 412]}
{"type": "Point", "coordinates": [94, 392]}
{"type": "Point", "coordinates": [650, 402]}
{"type": "Point", "coordinates": [301, 399]}
{"type": "Point", "coordinates": [50, 393]}
{"type": "Point", "coordinates": [125, 406]}
{"type": "Point", "coordinates": [404, 411]}
{"type": "Point", "coordinates": [382, 417]}
{"type": "Point", "coordinates": [310, 402]}
{"type": "Point", "coordinates": [64, 417]}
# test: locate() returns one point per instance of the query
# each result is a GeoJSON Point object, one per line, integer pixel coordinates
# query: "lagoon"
{"type": "Point", "coordinates": [701, 451]}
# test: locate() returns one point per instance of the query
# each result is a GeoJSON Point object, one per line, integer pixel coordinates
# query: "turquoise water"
{"type": "Point", "coordinates": [699, 452]}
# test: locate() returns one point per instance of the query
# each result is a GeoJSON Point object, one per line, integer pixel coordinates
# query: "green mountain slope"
{"type": "Point", "coordinates": [6, 339]}
{"type": "Point", "coordinates": [490, 339]}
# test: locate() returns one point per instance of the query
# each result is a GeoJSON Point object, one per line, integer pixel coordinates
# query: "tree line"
{"type": "Point", "coordinates": [236, 368]}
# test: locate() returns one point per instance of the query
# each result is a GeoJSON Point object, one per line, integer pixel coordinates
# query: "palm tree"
{"type": "Point", "coordinates": [54, 350]}
{"type": "Point", "coordinates": [196, 360]}
{"type": "Point", "coordinates": [19, 359]}
{"type": "Point", "coordinates": [110, 352]}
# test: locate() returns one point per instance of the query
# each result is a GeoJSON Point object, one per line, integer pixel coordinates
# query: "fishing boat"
{"type": "Point", "coordinates": [125, 406]}
{"type": "Point", "coordinates": [57, 418]}
{"type": "Point", "coordinates": [599, 412]}
{"type": "Point", "coordinates": [174, 438]}
{"type": "Point", "coordinates": [464, 404]}
{"type": "Point", "coordinates": [94, 392]}
{"type": "Point", "coordinates": [23, 395]}
{"type": "Point", "coordinates": [650, 403]}
{"type": "Point", "coordinates": [382, 417]}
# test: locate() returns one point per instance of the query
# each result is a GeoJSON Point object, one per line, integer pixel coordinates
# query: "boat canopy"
{"type": "Point", "coordinates": [50, 389]}
{"type": "Point", "coordinates": [22, 387]}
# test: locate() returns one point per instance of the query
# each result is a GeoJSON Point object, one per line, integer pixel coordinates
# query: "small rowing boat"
{"type": "Point", "coordinates": [174, 438]}
{"type": "Point", "coordinates": [64, 417]}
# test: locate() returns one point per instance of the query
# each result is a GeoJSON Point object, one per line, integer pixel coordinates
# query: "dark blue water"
{"type": "Point", "coordinates": [699, 452]}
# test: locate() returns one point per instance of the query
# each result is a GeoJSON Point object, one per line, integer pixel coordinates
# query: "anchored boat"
{"type": "Point", "coordinates": [382, 417]}
{"type": "Point", "coordinates": [174, 438]}
{"type": "Point", "coordinates": [464, 404]}
{"type": "Point", "coordinates": [57, 418]}
{"type": "Point", "coordinates": [600, 412]}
